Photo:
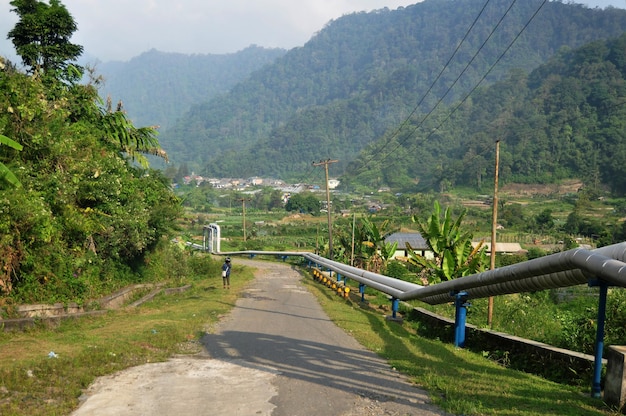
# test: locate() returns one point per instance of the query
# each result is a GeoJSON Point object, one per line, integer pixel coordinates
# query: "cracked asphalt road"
{"type": "Point", "coordinates": [276, 353]}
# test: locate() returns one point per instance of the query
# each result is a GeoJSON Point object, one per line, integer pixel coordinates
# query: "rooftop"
{"type": "Point", "coordinates": [415, 240]}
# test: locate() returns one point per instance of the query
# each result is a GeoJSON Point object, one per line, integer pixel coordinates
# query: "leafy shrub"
{"type": "Point", "coordinates": [578, 331]}
{"type": "Point", "coordinates": [616, 317]}
{"type": "Point", "coordinates": [202, 266]}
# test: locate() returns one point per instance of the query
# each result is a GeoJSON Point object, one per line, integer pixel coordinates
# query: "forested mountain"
{"type": "Point", "coordinates": [565, 119]}
{"type": "Point", "coordinates": [365, 73]}
{"type": "Point", "coordinates": [158, 87]}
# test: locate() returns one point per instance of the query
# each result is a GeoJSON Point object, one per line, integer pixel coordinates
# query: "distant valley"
{"type": "Point", "coordinates": [387, 94]}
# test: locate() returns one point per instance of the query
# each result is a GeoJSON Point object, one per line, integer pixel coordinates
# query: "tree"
{"type": "Point", "coordinates": [453, 254]}
{"type": "Point", "coordinates": [303, 203]}
{"type": "Point", "coordinates": [85, 219]}
{"type": "Point", "coordinates": [42, 39]}
{"type": "Point", "coordinates": [512, 215]}
{"type": "Point", "coordinates": [120, 132]}
{"type": "Point", "coordinates": [573, 223]}
{"type": "Point", "coordinates": [544, 220]}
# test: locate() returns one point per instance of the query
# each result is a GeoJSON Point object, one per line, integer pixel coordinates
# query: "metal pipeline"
{"type": "Point", "coordinates": [568, 268]}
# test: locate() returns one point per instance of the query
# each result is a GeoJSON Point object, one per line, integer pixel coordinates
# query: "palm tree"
{"type": "Point", "coordinates": [134, 141]}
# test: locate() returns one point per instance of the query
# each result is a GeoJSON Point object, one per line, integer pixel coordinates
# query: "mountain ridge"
{"type": "Point", "coordinates": [360, 76]}
{"type": "Point", "coordinates": [158, 87]}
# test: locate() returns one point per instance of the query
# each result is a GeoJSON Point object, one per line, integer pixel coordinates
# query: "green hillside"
{"type": "Point", "coordinates": [563, 120]}
{"type": "Point", "coordinates": [158, 87]}
{"type": "Point", "coordinates": [361, 76]}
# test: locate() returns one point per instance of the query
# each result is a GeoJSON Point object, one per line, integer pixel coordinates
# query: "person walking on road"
{"type": "Point", "coordinates": [226, 273]}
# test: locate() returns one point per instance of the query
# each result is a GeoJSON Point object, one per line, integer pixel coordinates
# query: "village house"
{"type": "Point", "coordinates": [419, 246]}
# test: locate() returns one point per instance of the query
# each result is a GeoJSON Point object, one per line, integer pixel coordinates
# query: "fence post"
{"type": "Point", "coordinates": [615, 382]}
{"type": "Point", "coordinates": [460, 304]}
{"type": "Point", "coordinates": [394, 307]}
{"type": "Point", "coordinates": [596, 387]}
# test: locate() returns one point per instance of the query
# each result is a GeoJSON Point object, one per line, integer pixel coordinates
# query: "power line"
{"type": "Point", "coordinates": [432, 85]}
{"type": "Point", "coordinates": [409, 135]}
{"type": "Point", "coordinates": [480, 81]}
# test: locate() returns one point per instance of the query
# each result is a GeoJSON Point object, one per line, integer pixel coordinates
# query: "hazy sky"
{"type": "Point", "coordinates": [122, 29]}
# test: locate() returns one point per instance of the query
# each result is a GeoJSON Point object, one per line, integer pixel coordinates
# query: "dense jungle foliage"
{"type": "Point", "coordinates": [563, 120]}
{"type": "Point", "coordinates": [364, 74]}
{"type": "Point", "coordinates": [82, 218]}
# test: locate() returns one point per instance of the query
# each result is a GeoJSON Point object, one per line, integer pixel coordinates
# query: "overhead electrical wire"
{"type": "Point", "coordinates": [482, 78]}
{"type": "Point", "coordinates": [420, 123]}
{"type": "Point", "coordinates": [432, 85]}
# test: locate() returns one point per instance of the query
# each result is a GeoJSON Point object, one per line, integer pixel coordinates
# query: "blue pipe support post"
{"type": "Point", "coordinates": [338, 277]}
{"type": "Point", "coordinates": [252, 256]}
{"type": "Point", "coordinates": [395, 303]}
{"type": "Point", "coordinates": [362, 291]}
{"type": "Point", "coordinates": [596, 387]}
{"type": "Point", "coordinates": [460, 304]}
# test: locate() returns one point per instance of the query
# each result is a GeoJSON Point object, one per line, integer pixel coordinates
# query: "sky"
{"type": "Point", "coordinates": [117, 30]}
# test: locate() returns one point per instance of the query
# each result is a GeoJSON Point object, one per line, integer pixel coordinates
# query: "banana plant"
{"type": "Point", "coordinates": [452, 252]}
{"type": "Point", "coordinates": [6, 176]}
{"type": "Point", "coordinates": [378, 252]}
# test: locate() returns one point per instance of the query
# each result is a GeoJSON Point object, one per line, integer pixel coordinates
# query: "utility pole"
{"type": "Point", "coordinates": [243, 206]}
{"type": "Point", "coordinates": [494, 222]}
{"type": "Point", "coordinates": [353, 226]}
{"type": "Point", "coordinates": [325, 163]}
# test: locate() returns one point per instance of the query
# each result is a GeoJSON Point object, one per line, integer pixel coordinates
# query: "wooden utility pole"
{"type": "Point", "coordinates": [243, 206]}
{"type": "Point", "coordinates": [325, 163]}
{"type": "Point", "coordinates": [353, 226]}
{"type": "Point", "coordinates": [494, 222]}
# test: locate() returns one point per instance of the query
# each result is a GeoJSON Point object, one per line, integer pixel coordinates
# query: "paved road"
{"type": "Point", "coordinates": [277, 354]}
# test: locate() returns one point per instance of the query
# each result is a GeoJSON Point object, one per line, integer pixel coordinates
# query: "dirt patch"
{"type": "Point", "coordinates": [522, 189]}
{"type": "Point", "coordinates": [477, 204]}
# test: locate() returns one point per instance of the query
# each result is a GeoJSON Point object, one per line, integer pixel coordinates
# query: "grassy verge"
{"type": "Point", "coordinates": [32, 383]}
{"type": "Point", "coordinates": [459, 381]}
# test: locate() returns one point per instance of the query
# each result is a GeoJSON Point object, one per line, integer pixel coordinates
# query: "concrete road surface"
{"type": "Point", "coordinates": [276, 353]}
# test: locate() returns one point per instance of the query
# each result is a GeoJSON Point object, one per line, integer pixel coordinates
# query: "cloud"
{"type": "Point", "coordinates": [122, 29]}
